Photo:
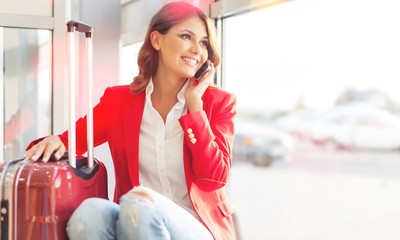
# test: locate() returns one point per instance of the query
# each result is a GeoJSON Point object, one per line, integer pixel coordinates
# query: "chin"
{"type": "Point", "coordinates": [189, 75]}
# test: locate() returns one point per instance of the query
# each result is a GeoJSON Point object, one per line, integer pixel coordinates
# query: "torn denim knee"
{"type": "Point", "coordinates": [142, 195]}
{"type": "Point", "coordinates": [138, 196]}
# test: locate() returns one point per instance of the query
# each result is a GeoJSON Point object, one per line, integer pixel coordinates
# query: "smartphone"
{"type": "Point", "coordinates": [203, 69]}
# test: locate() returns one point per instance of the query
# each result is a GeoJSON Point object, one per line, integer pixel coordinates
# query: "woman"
{"type": "Point", "coordinates": [170, 138]}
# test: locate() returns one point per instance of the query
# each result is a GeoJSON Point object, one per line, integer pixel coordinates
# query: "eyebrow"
{"type": "Point", "coordinates": [189, 31]}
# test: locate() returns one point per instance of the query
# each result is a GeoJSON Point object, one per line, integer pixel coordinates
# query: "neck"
{"type": "Point", "coordinates": [166, 87]}
{"type": "Point", "coordinates": [165, 92]}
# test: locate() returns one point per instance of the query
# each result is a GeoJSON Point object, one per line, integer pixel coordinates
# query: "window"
{"type": "Point", "coordinates": [294, 67]}
{"type": "Point", "coordinates": [129, 67]}
{"type": "Point", "coordinates": [27, 87]}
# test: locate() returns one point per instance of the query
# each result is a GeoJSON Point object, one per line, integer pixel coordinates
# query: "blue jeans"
{"type": "Point", "coordinates": [142, 214]}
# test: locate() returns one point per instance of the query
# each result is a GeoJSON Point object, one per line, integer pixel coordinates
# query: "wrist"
{"type": "Point", "coordinates": [195, 105]}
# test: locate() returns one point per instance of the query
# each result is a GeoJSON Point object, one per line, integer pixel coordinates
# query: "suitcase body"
{"type": "Point", "coordinates": [37, 199]}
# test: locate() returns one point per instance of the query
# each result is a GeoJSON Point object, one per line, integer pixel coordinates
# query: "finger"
{"type": "Point", "coordinates": [192, 80]}
{"type": "Point", "coordinates": [212, 70]}
{"type": "Point", "coordinates": [46, 155]}
{"type": "Point", "coordinates": [29, 154]}
{"type": "Point", "coordinates": [208, 73]}
{"type": "Point", "coordinates": [49, 149]}
{"type": "Point", "coordinates": [60, 152]}
{"type": "Point", "coordinates": [205, 80]}
{"type": "Point", "coordinates": [37, 151]}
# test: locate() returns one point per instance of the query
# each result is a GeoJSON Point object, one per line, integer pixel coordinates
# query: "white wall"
{"type": "Point", "coordinates": [27, 7]}
{"type": "Point", "coordinates": [136, 17]}
{"type": "Point", "coordinates": [226, 8]}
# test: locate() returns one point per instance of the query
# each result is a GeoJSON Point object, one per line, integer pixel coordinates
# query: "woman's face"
{"type": "Point", "coordinates": [183, 49]}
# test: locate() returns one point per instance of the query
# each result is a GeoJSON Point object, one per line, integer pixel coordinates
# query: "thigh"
{"type": "Point", "coordinates": [146, 214]}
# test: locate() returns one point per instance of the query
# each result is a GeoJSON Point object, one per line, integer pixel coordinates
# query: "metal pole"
{"type": "Point", "coordinates": [71, 100]}
{"type": "Point", "coordinates": [89, 57]}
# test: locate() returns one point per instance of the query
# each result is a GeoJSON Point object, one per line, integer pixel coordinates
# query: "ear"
{"type": "Point", "coordinates": [155, 40]}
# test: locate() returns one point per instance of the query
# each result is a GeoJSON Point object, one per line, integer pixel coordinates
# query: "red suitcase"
{"type": "Point", "coordinates": [37, 199]}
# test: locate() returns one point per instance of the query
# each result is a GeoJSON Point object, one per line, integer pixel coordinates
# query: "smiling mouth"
{"type": "Point", "coordinates": [190, 61]}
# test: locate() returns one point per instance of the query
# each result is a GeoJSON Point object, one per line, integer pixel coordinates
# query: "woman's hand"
{"type": "Point", "coordinates": [194, 92]}
{"type": "Point", "coordinates": [46, 147]}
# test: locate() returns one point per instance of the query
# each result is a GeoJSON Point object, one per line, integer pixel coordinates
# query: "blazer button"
{"type": "Point", "coordinates": [191, 135]}
{"type": "Point", "coordinates": [193, 140]}
{"type": "Point", "coordinates": [189, 130]}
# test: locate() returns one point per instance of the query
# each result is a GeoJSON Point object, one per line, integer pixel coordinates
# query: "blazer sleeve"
{"type": "Point", "coordinates": [209, 135]}
{"type": "Point", "coordinates": [100, 122]}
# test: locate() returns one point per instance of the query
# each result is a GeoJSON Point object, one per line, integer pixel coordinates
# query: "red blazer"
{"type": "Point", "coordinates": [207, 161]}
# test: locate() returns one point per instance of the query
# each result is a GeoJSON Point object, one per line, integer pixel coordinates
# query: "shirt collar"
{"type": "Point", "coordinates": [149, 88]}
{"type": "Point", "coordinates": [181, 93]}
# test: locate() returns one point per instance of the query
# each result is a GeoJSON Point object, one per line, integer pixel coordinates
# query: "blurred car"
{"type": "Point", "coordinates": [358, 126]}
{"type": "Point", "coordinates": [260, 143]}
{"type": "Point", "coordinates": [299, 123]}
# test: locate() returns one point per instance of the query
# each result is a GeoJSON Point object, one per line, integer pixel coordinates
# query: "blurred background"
{"type": "Point", "coordinates": [317, 152]}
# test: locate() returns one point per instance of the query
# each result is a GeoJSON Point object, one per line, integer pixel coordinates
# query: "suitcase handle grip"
{"type": "Point", "coordinates": [80, 27]}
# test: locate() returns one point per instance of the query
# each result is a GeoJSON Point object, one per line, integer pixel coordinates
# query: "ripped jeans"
{"type": "Point", "coordinates": [142, 214]}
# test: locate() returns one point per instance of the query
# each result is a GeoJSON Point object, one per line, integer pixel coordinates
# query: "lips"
{"type": "Point", "coordinates": [191, 61]}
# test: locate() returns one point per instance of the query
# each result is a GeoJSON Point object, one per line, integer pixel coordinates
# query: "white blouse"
{"type": "Point", "coordinates": [161, 164]}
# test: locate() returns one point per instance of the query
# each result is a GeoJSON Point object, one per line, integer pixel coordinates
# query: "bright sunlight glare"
{"type": "Point", "coordinates": [311, 50]}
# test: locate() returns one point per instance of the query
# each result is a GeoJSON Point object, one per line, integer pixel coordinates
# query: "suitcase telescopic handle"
{"type": "Point", "coordinates": [80, 27]}
{"type": "Point", "coordinates": [88, 30]}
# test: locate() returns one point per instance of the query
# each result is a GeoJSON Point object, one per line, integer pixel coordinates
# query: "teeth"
{"type": "Point", "coordinates": [190, 60]}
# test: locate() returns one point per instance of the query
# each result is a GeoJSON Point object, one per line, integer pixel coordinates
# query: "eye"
{"type": "Point", "coordinates": [204, 43]}
{"type": "Point", "coordinates": [186, 36]}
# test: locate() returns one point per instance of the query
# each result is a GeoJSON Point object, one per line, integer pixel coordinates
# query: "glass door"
{"type": "Point", "coordinates": [26, 79]}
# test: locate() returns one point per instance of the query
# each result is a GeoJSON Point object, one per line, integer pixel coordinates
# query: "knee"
{"type": "Point", "coordinates": [137, 204]}
{"type": "Point", "coordinates": [89, 209]}
{"type": "Point", "coordinates": [141, 194]}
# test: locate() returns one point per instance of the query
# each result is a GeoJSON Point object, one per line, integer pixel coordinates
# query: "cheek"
{"type": "Point", "coordinates": [168, 56]}
{"type": "Point", "coordinates": [205, 55]}
{"type": "Point", "coordinates": [176, 51]}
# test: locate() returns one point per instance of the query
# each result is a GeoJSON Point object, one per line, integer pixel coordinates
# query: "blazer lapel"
{"type": "Point", "coordinates": [133, 112]}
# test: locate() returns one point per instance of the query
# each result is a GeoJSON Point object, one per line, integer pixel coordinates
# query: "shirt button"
{"type": "Point", "coordinates": [193, 140]}
{"type": "Point", "coordinates": [189, 130]}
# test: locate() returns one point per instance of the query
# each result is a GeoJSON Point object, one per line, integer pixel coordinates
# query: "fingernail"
{"type": "Point", "coordinates": [57, 156]}
{"type": "Point", "coordinates": [34, 157]}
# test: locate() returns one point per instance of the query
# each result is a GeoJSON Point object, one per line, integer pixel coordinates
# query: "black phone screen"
{"type": "Point", "coordinates": [202, 70]}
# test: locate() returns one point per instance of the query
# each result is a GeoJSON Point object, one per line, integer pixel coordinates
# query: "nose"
{"type": "Point", "coordinates": [196, 48]}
